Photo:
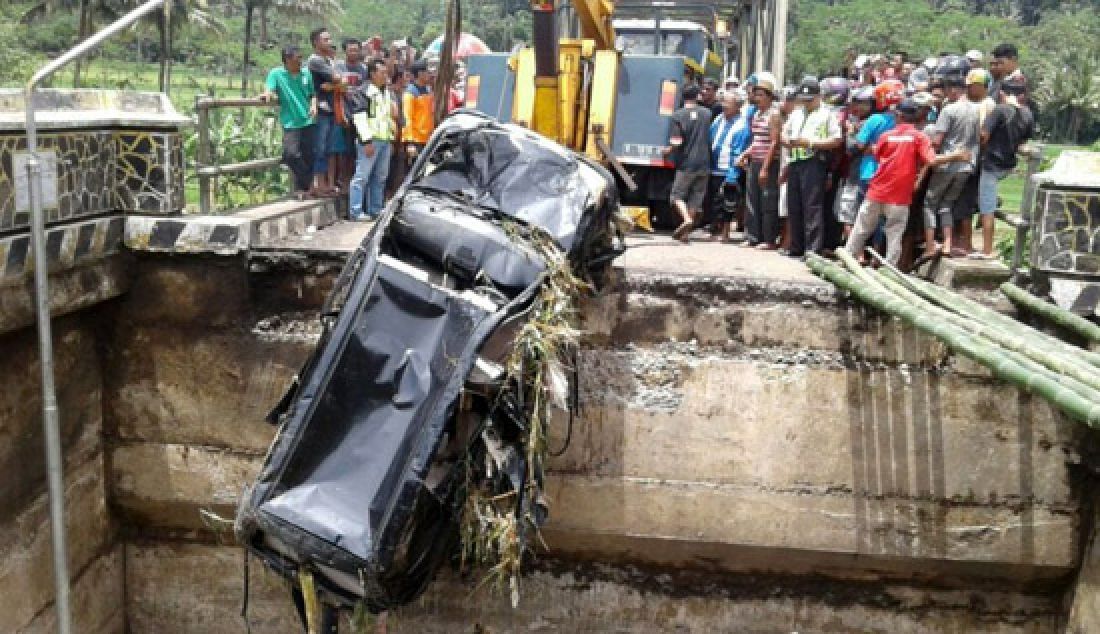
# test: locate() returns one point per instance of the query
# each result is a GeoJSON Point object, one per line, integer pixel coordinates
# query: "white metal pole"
{"type": "Point", "coordinates": [50, 413]}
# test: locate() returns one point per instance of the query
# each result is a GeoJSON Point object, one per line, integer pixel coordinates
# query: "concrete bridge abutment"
{"type": "Point", "coordinates": [754, 452]}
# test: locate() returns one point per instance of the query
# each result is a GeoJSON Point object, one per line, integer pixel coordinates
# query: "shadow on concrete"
{"type": "Point", "coordinates": [896, 422]}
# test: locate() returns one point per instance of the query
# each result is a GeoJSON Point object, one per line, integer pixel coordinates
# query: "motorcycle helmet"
{"type": "Point", "coordinates": [953, 69]}
{"type": "Point", "coordinates": [834, 90]}
{"type": "Point", "coordinates": [888, 94]}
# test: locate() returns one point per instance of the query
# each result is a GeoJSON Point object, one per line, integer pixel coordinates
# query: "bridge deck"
{"type": "Point", "coordinates": [648, 253]}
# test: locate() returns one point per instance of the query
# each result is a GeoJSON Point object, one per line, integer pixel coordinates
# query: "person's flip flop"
{"type": "Point", "coordinates": [682, 231]}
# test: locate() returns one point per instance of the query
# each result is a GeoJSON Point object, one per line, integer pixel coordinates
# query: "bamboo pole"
{"type": "Point", "coordinates": [1001, 362]}
{"type": "Point", "coordinates": [969, 308]}
{"type": "Point", "coordinates": [1079, 376]}
{"type": "Point", "coordinates": [1056, 314]}
{"type": "Point", "coordinates": [1085, 383]}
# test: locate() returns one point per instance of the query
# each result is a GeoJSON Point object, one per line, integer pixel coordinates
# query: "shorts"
{"type": "Point", "coordinates": [326, 127]}
{"type": "Point", "coordinates": [987, 188]}
{"type": "Point", "coordinates": [967, 204]}
{"type": "Point", "coordinates": [847, 206]}
{"type": "Point", "coordinates": [944, 189]}
{"type": "Point", "coordinates": [339, 141]}
{"type": "Point", "coordinates": [690, 188]}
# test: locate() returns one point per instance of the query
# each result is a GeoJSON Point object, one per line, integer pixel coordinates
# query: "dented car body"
{"type": "Point", "coordinates": [409, 396]}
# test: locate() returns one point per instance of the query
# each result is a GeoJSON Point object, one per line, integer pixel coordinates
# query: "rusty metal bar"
{"type": "Point", "coordinates": [205, 103]}
{"type": "Point", "coordinates": [205, 167]}
{"type": "Point", "coordinates": [238, 168]}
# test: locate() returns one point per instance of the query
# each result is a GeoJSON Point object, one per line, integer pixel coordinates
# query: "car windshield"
{"type": "Point", "coordinates": [642, 42]}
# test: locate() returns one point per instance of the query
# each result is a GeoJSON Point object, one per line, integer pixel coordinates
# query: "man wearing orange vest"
{"type": "Point", "coordinates": [417, 106]}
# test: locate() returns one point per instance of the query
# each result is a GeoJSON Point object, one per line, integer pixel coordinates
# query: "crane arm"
{"type": "Point", "coordinates": [595, 22]}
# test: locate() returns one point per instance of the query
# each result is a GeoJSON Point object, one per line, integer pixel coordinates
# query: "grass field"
{"type": "Point", "coordinates": [186, 82]}
{"type": "Point", "coordinates": [1012, 188]}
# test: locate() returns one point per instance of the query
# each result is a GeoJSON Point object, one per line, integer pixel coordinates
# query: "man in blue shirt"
{"type": "Point", "coordinates": [873, 128]}
{"type": "Point", "coordinates": [730, 135]}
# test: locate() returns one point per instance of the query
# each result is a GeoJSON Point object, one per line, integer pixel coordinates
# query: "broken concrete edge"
{"type": "Point", "coordinates": [88, 282]}
{"type": "Point", "coordinates": [226, 235]}
{"type": "Point", "coordinates": [66, 246]}
{"type": "Point", "coordinates": [67, 109]}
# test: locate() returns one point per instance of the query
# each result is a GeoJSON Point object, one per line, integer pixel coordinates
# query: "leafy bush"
{"type": "Point", "coordinates": [238, 135]}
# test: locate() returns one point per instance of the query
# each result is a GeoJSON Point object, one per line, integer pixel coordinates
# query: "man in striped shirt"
{"type": "Point", "coordinates": [730, 135]}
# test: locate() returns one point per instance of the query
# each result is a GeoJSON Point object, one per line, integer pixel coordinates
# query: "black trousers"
{"type": "Point", "coordinates": [298, 155]}
{"type": "Point", "coordinates": [762, 212]}
{"type": "Point", "coordinates": [806, 205]}
{"type": "Point", "coordinates": [713, 204]}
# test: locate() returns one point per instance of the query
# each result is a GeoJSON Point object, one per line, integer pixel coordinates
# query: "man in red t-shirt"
{"type": "Point", "coordinates": [903, 155]}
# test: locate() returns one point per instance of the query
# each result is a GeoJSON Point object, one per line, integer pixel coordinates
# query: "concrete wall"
{"type": "Point", "coordinates": [821, 469]}
{"type": "Point", "coordinates": [95, 559]}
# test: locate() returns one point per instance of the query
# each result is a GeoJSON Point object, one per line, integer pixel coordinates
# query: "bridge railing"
{"type": "Point", "coordinates": [1021, 221]}
{"type": "Point", "coordinates": [207, 167]}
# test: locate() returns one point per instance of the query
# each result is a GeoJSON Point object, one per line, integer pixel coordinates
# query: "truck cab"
{"type": "Point", "coordinates": [684, 38]}
{"type": "Point", "coordinates": [656, 59]}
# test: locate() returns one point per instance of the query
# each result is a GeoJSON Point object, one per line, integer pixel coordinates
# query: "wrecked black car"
{"type": "Point", "coordinates": [416, 432]}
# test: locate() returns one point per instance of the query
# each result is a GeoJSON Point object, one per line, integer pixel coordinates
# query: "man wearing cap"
{"type": "Point", "coordinates": [1006, 128]}
{"type": "Point", "coordinates": [975, 57]}
{"type": "Point", "coordinates": [810, 132]}
{"type": "Point", "coordinates": [689, 141]}
{"type": "Point", "coordinates": [956, 129]}
{"type": "Point", "coordinates": [862, 144]}
{"type": "Point", "coordinates": [761, 162]}
{"type": "Point", "coordinates": [901, 152]}
{"type": "Point", "coordinates": [966, 206]}
{"type": "Point", "coordinates": [417, 105]}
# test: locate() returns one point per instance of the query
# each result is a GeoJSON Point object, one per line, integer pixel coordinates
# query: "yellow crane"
{"type": "Point", "coordinates": [565, 88]}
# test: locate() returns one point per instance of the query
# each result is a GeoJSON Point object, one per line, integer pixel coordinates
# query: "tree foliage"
{"type": "Point", "coordinates": [1059, 40]}
{"type": "Point", "coordinates": [1059, 50]}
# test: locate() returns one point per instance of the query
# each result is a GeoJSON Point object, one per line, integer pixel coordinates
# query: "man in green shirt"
{"type": "Point", "coordinates": [292, 86]}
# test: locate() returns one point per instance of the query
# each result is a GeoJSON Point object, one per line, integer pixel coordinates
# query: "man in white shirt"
{"type": "Point", "coordinates": [811, 132]}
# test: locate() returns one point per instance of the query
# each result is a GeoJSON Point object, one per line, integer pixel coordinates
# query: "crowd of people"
{"type": "Point", "coordinates": [894, 153]}
{"type": "Point", "coordinates": [352, 123]}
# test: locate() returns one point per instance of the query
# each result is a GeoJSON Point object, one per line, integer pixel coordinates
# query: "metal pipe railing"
{"type": "Point", "coordinates": [205, 166]}
{"type": "Point", "coordinates": [50, 413]}
{"type": "Point", "coordinates": [1022, 222]}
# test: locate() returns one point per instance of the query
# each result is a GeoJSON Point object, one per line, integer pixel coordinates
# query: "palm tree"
{"type": "Point", "coordinates": [312, 8]}
{"type": "Point", "coordinates": [193, 14]}
{"type": "Point", "coordinates": [1070, 95]}
{"type": "Point", "coordinates": [92, 12]}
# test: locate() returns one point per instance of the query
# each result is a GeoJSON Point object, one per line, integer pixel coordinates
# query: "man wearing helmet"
{"type": "Point", "coordinates": [887, 95]}
{"type": "Point", "coordinates": [956, 129]}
